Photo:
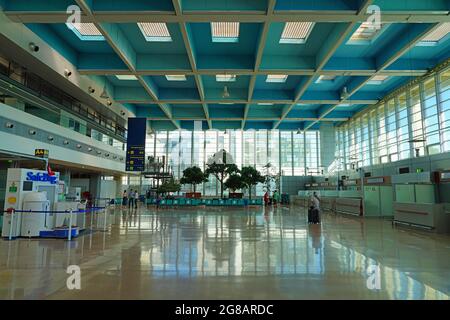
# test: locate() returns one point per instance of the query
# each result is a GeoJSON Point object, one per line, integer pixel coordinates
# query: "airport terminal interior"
{"type": "Point", "coordinates": [225, 149]}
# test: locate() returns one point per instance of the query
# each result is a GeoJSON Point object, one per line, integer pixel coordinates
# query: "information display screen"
{"type": "Point", "coordinates": [135, 160]}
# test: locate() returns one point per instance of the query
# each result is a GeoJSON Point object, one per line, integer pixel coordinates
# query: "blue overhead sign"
{"type": "Point", "coordinates": [137, 130]}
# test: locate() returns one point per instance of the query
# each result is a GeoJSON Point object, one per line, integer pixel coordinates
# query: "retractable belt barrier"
{"type": "Point", "coordinates": [12, 212]}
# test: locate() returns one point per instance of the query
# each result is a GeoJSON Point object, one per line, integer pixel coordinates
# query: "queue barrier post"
{"type": "Point", "coordinates": [70, 226]}
{"type": "Point", "coordinates": [104, 223]}
{"type": "Point", "coordinates": [12, 224]}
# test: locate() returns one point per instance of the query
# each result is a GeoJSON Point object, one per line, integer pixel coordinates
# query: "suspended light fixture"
{"type": "Point", "coordinates": [344, 93]}
{"type": "Point", "coordinates": [104, 94]}
{"type": "Point", "coordinates": [225, 93]}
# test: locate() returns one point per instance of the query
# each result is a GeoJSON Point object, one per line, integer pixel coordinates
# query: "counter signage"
{"type": "Point", "coordinates": [12, 188]}
{"type": "Point", "coordinates": [445, 175]}
{"type": "Point", "coordinates": [42, 177]}
{"type": "Point", "coordinates": [41, 153]}
{"type": "Point", "coordinates": [375, 180]}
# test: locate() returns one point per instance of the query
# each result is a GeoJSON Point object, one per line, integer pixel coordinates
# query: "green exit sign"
{"type": "Point", "coordinates": [419, 170]}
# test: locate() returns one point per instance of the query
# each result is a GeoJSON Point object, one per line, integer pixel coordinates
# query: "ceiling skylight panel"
{"type": "Point", "coordinates": [155, 31]}
{"type": "Point", "coordinates": [225, 31]}
{"type": "Point", "coordinates": [377, 80]}
{"type": "Point", "coordinates": [296, 32]}
{"type": "Point", "coordinates": [86, 31]}
{"type": "Point", "coordinates": [176, 77]}
{"type": "Point", "coordinates": [225, 77]}
{"type": "Point", "coordinates": [276, 78]}
{"type": "Point", "coordinates": [323, 78]}
{"type": "Point", "coordinates": [365, 33]}
{"type": "Point", "coordinates": [438, 34]}
{"type": "Point", "coordinates": [126, 77]}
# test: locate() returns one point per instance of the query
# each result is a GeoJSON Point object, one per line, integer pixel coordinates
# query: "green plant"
{"type": "Point", "coordinates": [221, 172]}
{"type": "Point", "coordinates": [250, 177]}
{"type": "Point", "coordinates": [194, 176]}
{"type": "Point", "coordinates": [169, 186]}
{"type": "Point", "coordinates": [234, 182]}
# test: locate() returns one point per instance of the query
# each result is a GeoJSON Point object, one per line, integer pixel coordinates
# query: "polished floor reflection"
{"type": "Point", "coordinates": [231, 254]}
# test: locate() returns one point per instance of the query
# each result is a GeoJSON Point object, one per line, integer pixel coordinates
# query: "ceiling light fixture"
{"type": "Point", "coordinates": [225, 93]}
{"type": "Point", "coordinates": [344, 93]}
{"type": "Point", "coordinates": [104, 94]}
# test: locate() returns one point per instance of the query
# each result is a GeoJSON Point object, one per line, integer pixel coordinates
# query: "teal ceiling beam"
{"type": "Point", "coordinates": [337, 37]}
{"type": "Point", "coordinates": [26, 14]}
{"type": "Point", "coordinates": [261, 44]}
{"type": "Point", "coordinates": [395, 49]}
{"type": "Point", "coordinates": [189, 44]}
{"type": "Point", "coordinates": [391, 52]}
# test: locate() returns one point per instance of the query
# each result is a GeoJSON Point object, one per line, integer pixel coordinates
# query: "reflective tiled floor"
{"type": "Point", "coordinates": [231, 254]}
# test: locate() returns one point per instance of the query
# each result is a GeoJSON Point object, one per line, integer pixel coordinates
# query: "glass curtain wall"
{"type": "Point", "coordinates": [294, 151]}
{"type": "Point", "coordinates": [413, 122]}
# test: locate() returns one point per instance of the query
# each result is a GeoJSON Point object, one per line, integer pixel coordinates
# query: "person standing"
{"type": "Point", "coordinates": [266, 198]}
{"type": "Point", "coordinates": [275, 198]}
{"type": "Point", "coordinates": [136, 199]}
{"type": "Point", "coordinates": [124, 199]}
{"type": "Point", "coordinates": [130, 198]}
{"type": "Point", "coordinates": [314, 209]}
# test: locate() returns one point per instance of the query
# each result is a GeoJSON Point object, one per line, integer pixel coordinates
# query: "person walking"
{"type": "Point", "coordinates": [136, 199]}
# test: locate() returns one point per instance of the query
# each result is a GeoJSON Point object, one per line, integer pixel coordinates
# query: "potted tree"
{"type": "Point", "coordinates": [169, 186]}
{"type": "Point", "coordinates": [234, 183]}
{"type": "Point", "coordinates": [193, 176]}
{"type": "Point", "coordinates": [221, 166]}
{"type": "Point", "coordinates": [251, 177]}
{"type": "Point", "coordinates": [221, 172]}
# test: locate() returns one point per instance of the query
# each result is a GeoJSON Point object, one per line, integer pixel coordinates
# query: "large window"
{"type": "Point", "coordinates": [444, 99]}
{"type": "Point", "coordinates": [298, 153]}
{"type": "Point", "coordinates": [286, 152]}
{"type": "Point", "coordinates": [413, 122]}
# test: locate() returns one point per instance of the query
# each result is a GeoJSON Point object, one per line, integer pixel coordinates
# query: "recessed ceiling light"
{"type": "Point", "coordinates": [278, 78]}
{"type": "Point", "coordinates": [265, 104]}
{"type": "Point", "coordinates": [126, 77]}
{"type": "Point", "coordinates": [296, 32]}
{"type": "Point", "coordinates": [155, 31]}
{"type": "Point", "coordinates": [437, 35]}
{"type": "Point", "coordinates": [225, 77]}
{"type": "Point", "coordinates": [176, 77]}
{"type": "Point", "coordinates": [86, 31]}
{"type": "Point", "coordinates": [225, 31]}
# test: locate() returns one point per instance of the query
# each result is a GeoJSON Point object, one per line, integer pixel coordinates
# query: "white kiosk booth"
{"type": "Point", "coordinates": [33, 190]}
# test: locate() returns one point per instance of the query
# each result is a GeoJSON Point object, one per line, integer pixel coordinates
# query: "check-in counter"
{"type": "Point", "coordinates": [430, 216]}
{"type": "Point", "coordinates": [351, 206]}
{"type": "Point", "coordinates": [328, 203]}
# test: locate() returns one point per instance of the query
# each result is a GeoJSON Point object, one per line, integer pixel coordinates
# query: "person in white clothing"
{"type": "Point", "coordinates": [136, 199]}
{"type": "Point", "coordinates": [315, 201]}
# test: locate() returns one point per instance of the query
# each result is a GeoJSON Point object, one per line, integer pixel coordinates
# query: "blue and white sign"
{"type": "Point", "coordinates": [42, 177]}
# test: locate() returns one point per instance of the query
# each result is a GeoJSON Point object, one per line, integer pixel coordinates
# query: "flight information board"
{"type": "Point", "coordinates": [137, 130]}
